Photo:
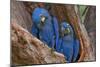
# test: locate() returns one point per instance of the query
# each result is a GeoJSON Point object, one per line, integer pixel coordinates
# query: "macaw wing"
{"type": "Point", "coordinates": [59, 46]}
{"type": "Point", "coordinates": [56, 30]}
{"type": "Point", "coordinates": [76, 49]}
{"type": "Point", "coordinates": [68, 50]}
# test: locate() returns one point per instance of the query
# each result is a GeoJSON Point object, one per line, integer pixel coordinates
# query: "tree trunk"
{"type": "Point", "coordinates": [90, 24]}
{"type": "Point", "coordinates": [20, 15]}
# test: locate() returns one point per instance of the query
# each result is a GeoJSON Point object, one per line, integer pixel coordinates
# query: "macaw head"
{"type": "Point", "coordinates": [39, 16]}
{"type": "Point", "coordinates": [66, 29]}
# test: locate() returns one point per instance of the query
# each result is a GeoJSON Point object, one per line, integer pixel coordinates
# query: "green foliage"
{"type": "Point", "coordinates": [83, 10]}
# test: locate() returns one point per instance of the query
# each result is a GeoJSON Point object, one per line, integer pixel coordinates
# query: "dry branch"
{"type": "Point", "coordinates": [27, 49]}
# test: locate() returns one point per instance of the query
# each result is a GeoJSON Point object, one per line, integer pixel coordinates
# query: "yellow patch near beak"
{"type": "Point", "coordinates": [68, 30]}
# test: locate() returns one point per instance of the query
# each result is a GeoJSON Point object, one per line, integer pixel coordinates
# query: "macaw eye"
{"type": "Point", "coordinates": [67, 31]}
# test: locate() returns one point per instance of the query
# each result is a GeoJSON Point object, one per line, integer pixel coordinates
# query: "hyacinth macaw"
{"type": "Point", "coordinates": [68, 44]}
{"type": "Point", "coordinates": [44, 26]}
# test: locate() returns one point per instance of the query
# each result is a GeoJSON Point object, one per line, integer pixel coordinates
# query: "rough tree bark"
{"type": "Point", "coordinates": [27, 49]}
{"type": "Point", "coordinates": [20, 15]}
{"type": "Point", "coordinates": [90, 24]}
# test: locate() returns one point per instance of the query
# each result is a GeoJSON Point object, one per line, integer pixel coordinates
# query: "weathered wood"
{"type": "Point", "coordinates": [90, 19]}
{"type": "Point", "coordinates": [90, 24]}
{"type": "Point", "coordinates": [27, 49]}
{"type": "Point", "coordinates": [20, 15]}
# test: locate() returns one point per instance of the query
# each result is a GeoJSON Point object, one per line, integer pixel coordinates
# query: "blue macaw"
{"type": "Point", "coordinates": [44, 26]}
{"type": "Point", "coordinates": [68, 44]}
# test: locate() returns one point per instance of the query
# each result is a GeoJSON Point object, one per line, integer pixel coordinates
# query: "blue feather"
{"type": "Point", "coordinates": [76, 49]}
{"type": "Point", "coordinates": [56, 30]}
